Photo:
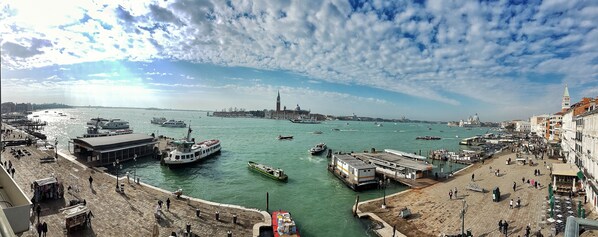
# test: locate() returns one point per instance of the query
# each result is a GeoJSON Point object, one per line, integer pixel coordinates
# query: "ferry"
{"type": "Point", "coordinates": [276, 174]}
{"type": "Point", "coordinates": [304, 121]}
{"type": "Point", "coordinates": [318, 149]}
{"type": "Point", "coordinates": [283, 225]}
{"type": "Point", "coordinates": [158, 120]}
{"type": "Point", "coordinates": [174, 124]}
{"type": "Point", "coordinates": [187, 151]}
{"type": "Point", "coordinates": [115, 124]}
{"type": "Point", "coordinates": [97, 121]}
{"type": "Point", "coordinates": [94, 131]}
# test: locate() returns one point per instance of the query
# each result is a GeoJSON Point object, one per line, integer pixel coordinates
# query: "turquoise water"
{"type": "Point", "coordinates": [320, 203]}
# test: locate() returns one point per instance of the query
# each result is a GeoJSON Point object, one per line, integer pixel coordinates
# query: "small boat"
{"type": "Point", "coordinates": [174, 124]}
{"type": "Point", "coordinates": [305, 121]}
{"type": "Point", "coordinates": [317, 132]}
{"type": "Point", "coordinates": [35, 116]}
{"type": "Point", "coordinates": [158, 120]}
{"type": "Point", "coordinates": [283, 225]}
{"type": "Point", "coordinates": [273, 173]}
{"type": "Point", "coordinates": [280, 137]}
{"type": "Point", "coordinates": [335, 129]}
{"type": "Point", "coordinates": [318, 149]}
{"type": "Point", "coordinates": [427, 138]}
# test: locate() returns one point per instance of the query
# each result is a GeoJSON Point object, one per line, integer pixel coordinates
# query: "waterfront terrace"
{"type": "Point", "coordinates": [99, 151]}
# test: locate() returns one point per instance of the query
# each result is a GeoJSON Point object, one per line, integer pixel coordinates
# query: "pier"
{"type": "Point", "coordinates": [413, 173]}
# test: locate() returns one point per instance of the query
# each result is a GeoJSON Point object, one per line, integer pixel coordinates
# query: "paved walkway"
{"type": "Point", "coordinates": [435, 214]}
{"type": "Point", "coordinates": [129, 214]}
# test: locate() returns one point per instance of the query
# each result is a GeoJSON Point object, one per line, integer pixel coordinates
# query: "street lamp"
{"type": "Point", "coordinates": [383, 185]}
{"type": "Point", "coordinates": [116, 167]}
{"type": "Point", "coordinates": [135, 168]}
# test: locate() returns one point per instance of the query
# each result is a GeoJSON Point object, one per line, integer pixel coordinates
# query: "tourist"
{"type": "Point", "coordinates": [518, 202]}
{"type": "Point", "coordinates": [506, 228]}
{"type": "Point", "coordinates": [514, 186]}
{"type": "Point", "coordinates": [536, 184]}
{"type": "Point", "coordinates": [90, 182]}
{"type": "Point", "coordinates": [89, 216]}
{"type": "Point", "coordinates": [511, 204]}
{"type": "Point", "coordinates": [160, 203]}
{"type": "Point", "coordinates": [168, 204]}
{"type": "Point", "coordinates": [38, 210]}
{"type": "Point", "coordinates": [45, 228]}
{"type": "Point", "coordinates": [528, 230]}
{"type": "Point", "coordinates": [450, 194]}
{"type": "Point", "coordinates": [13, 172]}
{"type": "Point", "coordinates": [40, 228]}
{"type": "Point", "coordinates": [472, 177]}
{"type": "Point", "coordinates": [500, 226]}
{"type": "Point", "coordinates": [523, 180]}
{"type": "Point", "coordinates": [456, 193]}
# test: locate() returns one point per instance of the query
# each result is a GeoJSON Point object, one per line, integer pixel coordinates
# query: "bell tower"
{"type": "Point", "coordinates": [566, 104]}
{"type": "Point", "coordinates": [278, 102]}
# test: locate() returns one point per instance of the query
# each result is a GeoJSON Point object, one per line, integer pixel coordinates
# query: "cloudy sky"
{"type": "Point", "coordinates": [433, 60]}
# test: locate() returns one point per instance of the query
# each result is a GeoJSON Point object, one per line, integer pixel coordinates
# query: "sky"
{"type": "Point", "coordinates": [427, 60]}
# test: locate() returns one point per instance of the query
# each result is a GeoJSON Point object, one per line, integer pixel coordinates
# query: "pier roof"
{"type": "Point", "coordinates": [400, 161]}
{"type": "Point", "coordinates": [353, 162]}
{"type": "Point", "coordinates": [110, 141]}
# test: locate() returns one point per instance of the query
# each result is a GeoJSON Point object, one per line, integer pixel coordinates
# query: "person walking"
{"type": "Point", "coordinates": [160, 203]}
{"type": "Point", "coordinates": [506, 228]}
{"type": "Point", "coordinates": [90, 182]}
{"type": "Point", "coordinates": [450, 194]}
{"type": "Point", "coordinates": [500, 226]}
{"type": "Point", "coordinates": [12, 170]}
{"type": "Point", "coordinates": [168, 204]}
{"type": "Point", "coordinates": [518, 202]}
{"type": "Point", "coordinates": [472, 178]}
{"type": "Point", "coordinates": [523, 180]}
{"type": "Point", "coordinates": [38, 210]}
{"type": "Point", "coordinates": [89, 216]}
{"type": "Point", "coordinates": [40, 229]}
{"type": "Point", "coordinates": [511, 204]}
{"type": "Point", "coordinates": [456, 193]}
{"type": "Point", "coordinates": [514, 186]}
{"type": "Point", "coordinates": [45, 228]}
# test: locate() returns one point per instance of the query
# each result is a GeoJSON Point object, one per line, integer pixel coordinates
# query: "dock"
{"type": "Point", "coordinates": [405, 170]}
{"type": "Point", "coordinates": [128, 213]}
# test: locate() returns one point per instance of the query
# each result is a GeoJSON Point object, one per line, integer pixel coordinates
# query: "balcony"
{"type": "Point", "coordinates": [14, 203]}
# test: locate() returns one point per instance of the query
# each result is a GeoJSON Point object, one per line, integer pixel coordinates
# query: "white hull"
{"type": "Point", "coordinates": [196, 153]}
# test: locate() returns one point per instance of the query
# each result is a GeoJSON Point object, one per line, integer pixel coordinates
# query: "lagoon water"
{"type": "Point", "coordinates": [319, 202]}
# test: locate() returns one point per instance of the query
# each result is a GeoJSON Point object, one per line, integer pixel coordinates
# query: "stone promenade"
{"type": "Point", "coordinates": [128, 214]}
{"type": "Point", "coordinates": [434, 213]}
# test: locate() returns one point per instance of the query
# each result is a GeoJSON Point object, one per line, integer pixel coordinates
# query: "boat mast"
{"type": "Point", "coordinates": [189, 133]}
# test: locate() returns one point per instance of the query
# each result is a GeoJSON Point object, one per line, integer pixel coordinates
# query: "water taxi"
{"type": "Point", "coordinates": [318, 149]}
{"type": "Point", "coordinates": [280, 137]}
{"type": "Point", "coordinates": [304, 121]}
{"type": "Point", "coordinates": [283, 225]}
{"type": "Point", "coordinates": [187, 151]}
{"type": "Point", "coordinates": [428, 138]}
{"type": "Point", "coordinates": [276, 174]}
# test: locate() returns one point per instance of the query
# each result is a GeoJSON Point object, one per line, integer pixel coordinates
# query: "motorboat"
{"type": "Point", "coordinates": [318, 149]}
{"type": "Point", "coordinates": [305, 121]}
{"type": "Point", "coordinates": [115, 124]}
{"type": "Point", "coordinates": [280, 137]}
{"type": "Point", "coordinates": [273, 173]}
{"type": "Point", "coordinates": [186, 151]}
{"type": "Point", "coordinates": [428, 138]}
{"type": "Point", "coordinates": [97, 121]}
{"type": "Point", "coordinates": [174, 124]}
{"type": "Point", "coordinates": [158, 120]}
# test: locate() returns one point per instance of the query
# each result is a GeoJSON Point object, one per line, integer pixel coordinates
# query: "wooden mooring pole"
{"type": "Point", "coordinates": [267, 202]}
{"type": "Point", "coordinates": [356, 203]}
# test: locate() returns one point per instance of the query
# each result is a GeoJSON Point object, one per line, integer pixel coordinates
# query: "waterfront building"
{"type": "Point", "coordinates": [522, 126]}
{"type": "Point", "coordinates": [355, 173]}
{"type": "Point", "coordinates": [587, 124]}
{"type": "Point", "coordinates": [537, 124]}
{"type": "Point", "coordinates": [472, 121]}
{"type": "Point", "coordinates": [10, 107]}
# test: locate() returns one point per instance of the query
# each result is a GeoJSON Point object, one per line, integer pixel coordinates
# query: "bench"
{"type": "Point", "coordinates": [475, 187]}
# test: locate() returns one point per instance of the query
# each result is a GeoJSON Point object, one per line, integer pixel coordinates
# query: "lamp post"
{"type": "Point", "coordinates": [116, 167]}
{"type": "Point", "coordinates": [463, 218]}
{"type": "Point", "coordinates": [383, 185]}
{"type": "Point", "coordinates": [135, 168]}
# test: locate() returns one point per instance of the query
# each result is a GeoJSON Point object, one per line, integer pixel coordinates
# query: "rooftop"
{"type": "Point", "coordinates": [398, 160]}
{"type": "Point", "coordinates": [354, 162]}
{"type": "Point", "coordinates": [113, 140]}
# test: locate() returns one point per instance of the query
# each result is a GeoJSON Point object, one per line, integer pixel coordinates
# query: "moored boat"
{"type": "Point", "coordinates": [115, 124]}
{"type": "Point", "coordinates": [158, 120]}
{"type": "Point", "coordinates": [427, 138]}
{"type": "Point", "coordinates": [283, 224]}
{"type": "Point", "coordinates": [273, 173]}
{"type": "Point", "coordinates": [97, 121]}
{"type": "Point", "coordinates": [187, 151]}
{"type": "Point", "coordinates": [318, 149]}
{"type": "Point", "coordinates": [304, 121]}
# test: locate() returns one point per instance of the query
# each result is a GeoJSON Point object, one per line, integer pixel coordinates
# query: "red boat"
{"type": "Point", "coordinates": [283, 225]}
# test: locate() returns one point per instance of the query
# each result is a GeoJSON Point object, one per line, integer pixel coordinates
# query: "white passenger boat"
{"type": "Point", "coordinates": [318, 149]}
{"type": "Point", "coordinates": [187, 151]}
{"type": "Point", "coordinates": [174, 124]}
{"type": "Point", "coordinates": [158, 120]}
{"type": "Point", "coordinates": [115, 124]}
{"type": "Point", "coordinates": [94, 131]}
